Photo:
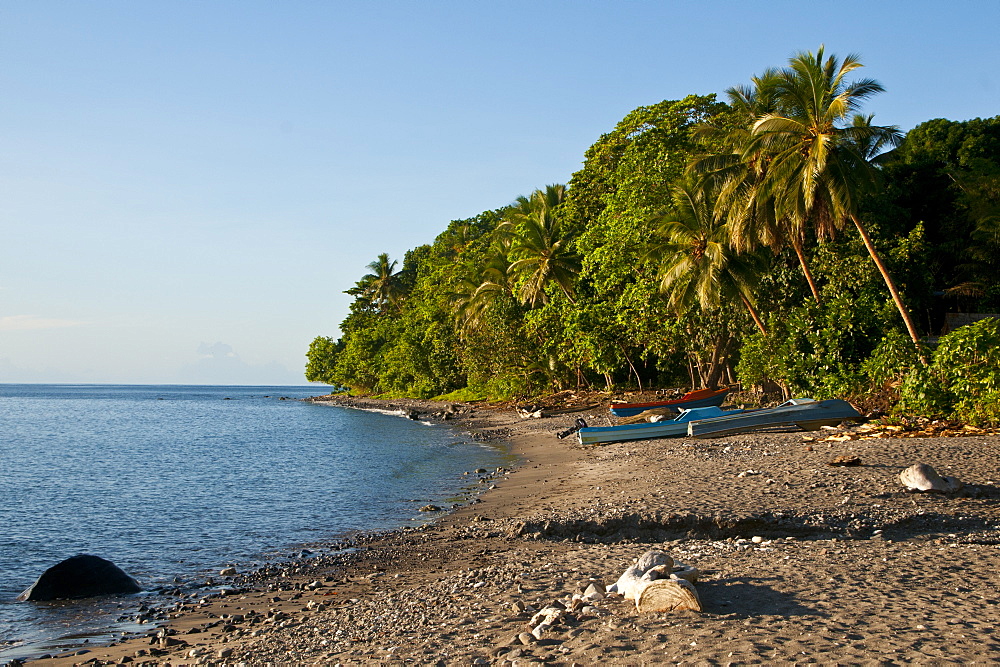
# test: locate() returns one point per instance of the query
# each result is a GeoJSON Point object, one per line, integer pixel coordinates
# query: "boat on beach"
{"type": "Point", "coordinates": [667, 428]}
{"type": "Point", "coordinates": [701, 398]}
{"type": "Point", "coordinates": [805, 413]}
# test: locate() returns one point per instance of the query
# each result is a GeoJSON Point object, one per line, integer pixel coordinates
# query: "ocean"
{"type": "Point", "coordinates": [173, 483]}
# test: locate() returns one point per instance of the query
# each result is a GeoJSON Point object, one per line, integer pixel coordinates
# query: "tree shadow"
{"type": "Point", "coordinates": [750, 596]}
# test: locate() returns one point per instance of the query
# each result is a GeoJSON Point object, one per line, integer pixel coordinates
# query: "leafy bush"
{"type": "Point", "coordinates": [963, 379]}
{"type": "Point", "coordinates": [815, 350]}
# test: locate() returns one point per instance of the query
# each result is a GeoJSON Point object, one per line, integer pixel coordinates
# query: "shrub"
{"type": "Point", "coordinates": [963, 379]}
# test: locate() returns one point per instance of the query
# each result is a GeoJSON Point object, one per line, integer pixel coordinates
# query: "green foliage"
{"type": "Point", "coordinates": [463, 395]}
{"type": "Point", "coordinates": [322, 358]}
{"type": "Point", "coordinates": [894, 358]}
{"type": "Point", "coordinates": [810, 344]}
{"type": "Point", "coordinates": [563, 288]}
{"type": "Point", "coordinates": [496, 356]}
{"type": "Point", "coordinates": [963, 379]}
{"type": "Point", "coordinates": [540, 245]}
{"type": "Point", "coordinates": [626, 178]}
{"type": "Point", "coordinates": [946, 176]}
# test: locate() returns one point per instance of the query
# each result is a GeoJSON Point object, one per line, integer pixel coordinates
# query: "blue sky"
{"type": "Point", "coordinates": [187, 187]}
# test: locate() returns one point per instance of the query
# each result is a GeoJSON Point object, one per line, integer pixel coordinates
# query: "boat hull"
{"type": "Point", "coordinates": [594, 435]}
{"type": "Point", "coordinates": [803, 413]}
{"type": "Point", "coordinates": [698, 400]}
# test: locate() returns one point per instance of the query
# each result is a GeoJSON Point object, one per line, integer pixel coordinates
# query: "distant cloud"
{"type": "Point", "coordinates": [218, 363]}
{"type": "Point", "coordinates": [216, 351]}
{"type": "Point", "coordinates": [28, 322]}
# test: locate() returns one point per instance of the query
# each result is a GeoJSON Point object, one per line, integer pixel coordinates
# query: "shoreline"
{"type": "Point", "coordinates": [847, 567]}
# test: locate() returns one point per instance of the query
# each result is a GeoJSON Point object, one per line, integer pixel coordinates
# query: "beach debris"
{"type": "Point", "coordinates": [542, 622]}
{"type": "Point", "coordinates": [577, 425]}
{"type": "Point", "coordinates": [845, 460]}
{"type": "Point", "coordinates": [916, 428]}
{"type": "Point", "coordinates": [657, 583]}
{"type": "Point", "coordinates": [81, 576]}
{"type": "Point", "coordinates": [651, 415]}
{"type": "Point", "coordinates": [529, 411]}
{"type": "Point", "coordinates": [921, 477]}
{"type": "Point", "coordinates": [430, 508]}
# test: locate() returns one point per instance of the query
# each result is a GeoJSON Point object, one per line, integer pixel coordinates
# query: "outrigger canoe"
{"type": "Point", "coordinates": [592, 435]}
{"type": "Point", "coordinates": [805, 413]}
{"type": "Point", "coordinates": [702, 398]}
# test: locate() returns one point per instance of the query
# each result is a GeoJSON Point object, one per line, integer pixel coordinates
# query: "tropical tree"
{"type": "Point", "coordinates": [696, 263]}
{"type": "Point", "coordinates": [479, 286]}
{"type": "Point", "coordinates": [382, 287]}
{"type": "Point", "coordinates": [740, 173]}
{"type": "Point", "coordinates": [818, 151]}
{"type": "Point", "coordinates": [540, 245]}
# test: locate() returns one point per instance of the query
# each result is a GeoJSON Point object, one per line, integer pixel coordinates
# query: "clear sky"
{"type": "Point", "coordinates": [187, 187]}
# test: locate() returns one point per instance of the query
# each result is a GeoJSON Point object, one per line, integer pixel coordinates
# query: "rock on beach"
{"type": "Point", "coordinates": [81, 576]}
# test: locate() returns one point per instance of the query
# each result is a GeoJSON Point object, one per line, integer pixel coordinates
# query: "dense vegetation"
{"type": "Point", "coordinates": [779, 239]}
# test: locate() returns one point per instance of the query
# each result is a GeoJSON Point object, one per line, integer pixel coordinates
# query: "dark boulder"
{"type": "Point", "coordinates": [81, 576]}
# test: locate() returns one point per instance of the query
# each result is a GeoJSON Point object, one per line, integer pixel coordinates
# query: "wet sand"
{"type": "Point", "coordinates": [846, 566]}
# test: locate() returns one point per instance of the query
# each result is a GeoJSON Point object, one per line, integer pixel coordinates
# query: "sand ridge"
{"type": "Point", "coordinates": [848, 568]}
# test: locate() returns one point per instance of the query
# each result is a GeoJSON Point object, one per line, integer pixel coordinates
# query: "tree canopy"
{"type": "Point", "coordinates": [700, 244]}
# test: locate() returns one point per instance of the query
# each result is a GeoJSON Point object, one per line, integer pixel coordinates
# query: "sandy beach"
{"type": "Point", "coordinates": [801, 561]}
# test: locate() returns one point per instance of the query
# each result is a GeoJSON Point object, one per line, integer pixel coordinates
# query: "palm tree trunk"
{"type": "Point", "coordinates": [800, 252]}
{"type": "Point", "coordinates": [891, 284]}
{"type": "Point", "coordinates": [632, 366]}
{"type": "Point", "coordinates": [717, 364]}
{"type": "Point", "coordinates": [753, 314]}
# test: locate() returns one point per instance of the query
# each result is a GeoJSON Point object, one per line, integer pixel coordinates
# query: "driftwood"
{"type": "Point", "coordinates": [668, 595]}
{"type": "Point", "coordinates": [530, 412]}
{"type": "Point", "coordinates": [922, 477]}
{"type": "Point", "coordinates": [538, 412]}
{"type": "Point", "coordinates": [568, 410]}
{"type": "Point", "coordinates": [648, 416]}
{"type": "Point", "coordinates": [657, 583]}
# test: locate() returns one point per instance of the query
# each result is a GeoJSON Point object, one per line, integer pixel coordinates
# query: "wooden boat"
{"type": "Point", "coordinates": [702, 398]}
{"type": "Point", "coordinates": [805, 413]}
{"type": "Point", "coordinates": [667, 428]}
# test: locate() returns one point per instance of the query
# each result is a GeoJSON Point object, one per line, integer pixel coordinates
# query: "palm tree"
{"type": "Point", "coordinates": [739, 172]}
{"type": "Point", "coordinates": [382, 286]}
{"type": "Point", "coordinates": [478, 289]}
{"type": "Point", "coordinates": [696, 261]}
{"type": "Point", "coordinates": [819, 151]}
{"type": "Point", "coordinates": [540, 245]}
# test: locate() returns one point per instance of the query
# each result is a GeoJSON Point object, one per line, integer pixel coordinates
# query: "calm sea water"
{"type": "Point", "coordinates": [177, 481]}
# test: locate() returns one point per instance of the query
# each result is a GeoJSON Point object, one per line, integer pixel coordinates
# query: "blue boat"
{"type": "Point", "coordinates": [805, 413]}
{"type": "Point", "coordinates": [592, 435]}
